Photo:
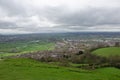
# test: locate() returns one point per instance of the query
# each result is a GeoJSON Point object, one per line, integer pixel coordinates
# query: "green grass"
{"type": "Point", "coordinates": [106, 52]}
{"type": "Point", "coordinates": [27, 69]}
{"type": "Point", "coordinates": [8, 49]}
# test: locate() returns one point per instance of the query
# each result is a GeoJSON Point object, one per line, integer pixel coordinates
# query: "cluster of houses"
{"type": "Point", "coordinates": [67, 48]}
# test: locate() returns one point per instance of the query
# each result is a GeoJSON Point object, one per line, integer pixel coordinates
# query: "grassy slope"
{"type": "Point", "coordinates": [111, 51]}
{"type": "Point", "coordinates": [26, 69]}
{"type": "Point", "coordinates": [23, 47]}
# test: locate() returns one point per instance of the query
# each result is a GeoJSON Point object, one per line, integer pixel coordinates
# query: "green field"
{"type": "Point", "coordinates": [8, 49]}
{"type": "Point", "coordinates": [106, 52]}
{"type": "Point", "coordinates": [27, 69]}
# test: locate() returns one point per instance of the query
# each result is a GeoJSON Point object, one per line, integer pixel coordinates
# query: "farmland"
{"type": "Point", "coordinates": [15, 48]}
{"type": "Point", "coordinates": [59, 57]}
{"type": "Point", "coordinates": [106, 52]}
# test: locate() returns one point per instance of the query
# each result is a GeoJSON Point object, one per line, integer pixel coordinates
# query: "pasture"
{"type": "Point", "coordinates": [106, 52]}
{"type": "Point", "coordinates": [27, 69]}
{"type": "Point", "coordinates": [15, 48]}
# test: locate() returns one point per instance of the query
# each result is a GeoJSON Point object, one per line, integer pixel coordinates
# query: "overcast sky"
{"type": "Point", "coordinates": [38, 16]}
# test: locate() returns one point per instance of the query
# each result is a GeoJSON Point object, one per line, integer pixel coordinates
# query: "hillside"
{"type": "Point", "coordinates": [27, 69]}
{"type": "Point", "coordinates": [106, 52]}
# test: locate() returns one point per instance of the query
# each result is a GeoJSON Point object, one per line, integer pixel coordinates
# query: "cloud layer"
{"type": "Point", "coordinates": [38, 16]}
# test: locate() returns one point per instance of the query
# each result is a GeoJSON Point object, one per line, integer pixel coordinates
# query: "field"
{"type": "Point", "coordinates": [27, 69]}
{"type": "Point", "coordinates": [106, 52]}
{"type": "Point", "coordinates": [30, 69]}
{"type": "Point", "coordinates": [15, 48]}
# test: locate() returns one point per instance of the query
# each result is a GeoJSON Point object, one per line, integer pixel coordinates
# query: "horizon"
{"type": "Point", "coordinates": [100, 32]}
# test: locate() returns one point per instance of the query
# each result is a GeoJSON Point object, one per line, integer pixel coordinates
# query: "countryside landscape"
{"type": "Point", "coordinates": [59, 40]}
{"type": "Point", "coordinates": [60, 55]}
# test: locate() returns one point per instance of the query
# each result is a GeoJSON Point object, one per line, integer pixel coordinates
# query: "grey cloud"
{"type": "Point", "coordinates": [12, 7]}
{"type": "Point", "coordinates": [87, 18]}
{"type": "Point", "coordinates": [7, 25]}
{"type": "Point", "coordinates": [91, 17]}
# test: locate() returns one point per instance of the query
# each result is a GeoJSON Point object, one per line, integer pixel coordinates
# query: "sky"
{"type": "Point", "coordinates": [44, 16]}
